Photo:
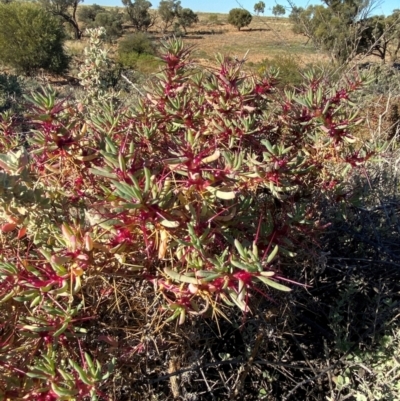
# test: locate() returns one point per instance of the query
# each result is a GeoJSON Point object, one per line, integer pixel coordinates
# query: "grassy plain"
{"type": "Point", "coordinates": [264, 38]}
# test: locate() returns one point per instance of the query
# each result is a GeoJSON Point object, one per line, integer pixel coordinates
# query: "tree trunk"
{"type": "Point", "coordinates": [78, 32]}
{"type": "Point", "coordinates": [74, 24]}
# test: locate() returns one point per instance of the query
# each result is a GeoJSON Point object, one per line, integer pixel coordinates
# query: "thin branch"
{"type": "Point", "coordinates": [133, 85]}
{"type": "Point", "coordinates": [227, 362]}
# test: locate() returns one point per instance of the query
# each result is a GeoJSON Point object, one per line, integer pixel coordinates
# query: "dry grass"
{"type": "Point", "coordinates": [75, 47]}
{"type": "Point", "coordinates": [264, 38]}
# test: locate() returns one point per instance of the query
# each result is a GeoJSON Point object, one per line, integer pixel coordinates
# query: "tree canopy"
{"type": "Point", "coordinates": [66, 9]}
{"type": "Point", "coordinates": [95, 16]}
{"type": "Point", "coordinates": [239, 18]}
{"type": "Point", "coordinates": [169, 10]}
{"type": "Point", "coordinates": [344, 28]}
{"type": "Point", "coordinates": [187, 18]}
{"type": "Point", "coordinates": [31, 39]}
{"type": "Point", "coordinates": [278, 10]}
{"type": "Point", "coordinates": [259, 7]}
{"type": "Point", "coordinates": [139, 14]}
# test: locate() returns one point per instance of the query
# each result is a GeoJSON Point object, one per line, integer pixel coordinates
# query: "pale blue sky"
{"type": "Point", "coordinates": [386, 6]}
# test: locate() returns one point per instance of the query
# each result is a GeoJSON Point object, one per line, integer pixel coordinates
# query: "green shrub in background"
{"type": "Point", "coordinates": [139, 43]}
{"type": "Point", "coordinates": [138, 51]}
{"type": "Point", "coordinates": [213, 19]}
{"type": "Point", "coordinates": [112, 22]}
{"type": "Point", "coordinates": [291, 72]}
{"type": "Point", "coordinates": [87, 14]}
{"type": "Point", "coordinates": [31, 39]}
{"type": "Point", "coordinates": [288, 67]}
{"type": "Point", "coordinates": [145, 63]}
{"type": "Point", "coordinates": [10, 89]}
{"type": "Point", "coordinates": [95, 16]}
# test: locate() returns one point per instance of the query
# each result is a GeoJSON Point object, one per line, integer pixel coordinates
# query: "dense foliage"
{"type": "Point", "coordinates": [66, 10]}
{"type": "Point", "coordinates": [278, 10]}
{"type": "Point", "coordinates": [239, 18]}
{"type": "Point", "coordinates": [135, 46]}
{"type": "Point", "coordinates": [345, 29]}
{"type": "Point", "coordinates": [138, 14]}
{"type": "Point", "coordinates": [95, 16]}
{"type": "Point", "coordinates": [10, 90]}
{"type": "Point", "coordinates": [205, 188]}
{"type": "Point", "coordinates": [259, 7]}
{"type": "Point", "coordinates": [31, 39]}
{"type": "Point", "coordinates": [187, 18]}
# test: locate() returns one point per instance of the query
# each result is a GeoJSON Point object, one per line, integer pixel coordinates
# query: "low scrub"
{"type": "Point", "coordinates": [205, 190]}
{"type": "Point", "coordinates": [31, 39]}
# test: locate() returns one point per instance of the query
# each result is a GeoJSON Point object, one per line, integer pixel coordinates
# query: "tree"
{"type": "Point", "coordinates": [339, 27]}
{"type": "Point", "coordinates": [381, 36]}
{"type": "Point", "coordinates": [95, 16]}
{"type": "Point", "coordinates": [88, 14]}
{"type": "Point", "coordinates": [66, 9]}
{"type": "Point", "coordinates": [139, 15]}
{"type": "Point", "coordinates": [278, 10]}
{"type": "Point", "coordinates": [168, 10]}
{"type": "Point", "coordinates": [259, 7]}
{"type": "Point", "coordinates": [393, 23]}
{"type": "Point", "coordinates": [187, 18]}
{"type": "Point", "coordinates": [31, 39]}
{"type": "Point", "coordinates": [239, 18]}
{"type": "Point", "coordinates": [111, 21]}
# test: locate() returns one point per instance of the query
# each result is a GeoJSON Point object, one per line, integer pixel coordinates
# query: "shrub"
{"type": "Point", "coordinates": [367, 374]}
{"type": "Point", "coordinates": [139, 43]}
{"type": "Point", "coordinates": [31, 39]}
{"type": "Point", "coordinates": [386, 79]}
{"type": "Point", "coordinates": [290, 71]}
{"type": "Point", "coordinates": [206, 188]}
{"type": "Point", "coordinates": [87, 14]}
{"type": "Point", "coordinates": [239, 18]}
{"type": "Point", "coordinates": [112, 22]}
{"type": "Point", "coordinates": [187, 18]}
{"type": "Point", "coordinates": [143, 63]}
{"type": "Point", "coordinates": [95, 17]}
{"type": "Point", "coordinates": [137, 51]}
{"type": "Point", "coordinates": [213, 19]}
{"type": "Point", "coordinates": [98, 73]}
{"type": "Point", "coordinates": [10, 89]}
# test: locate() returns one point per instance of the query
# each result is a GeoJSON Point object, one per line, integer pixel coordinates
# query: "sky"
{"type": "Point", "coordinates": [385, 7]}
